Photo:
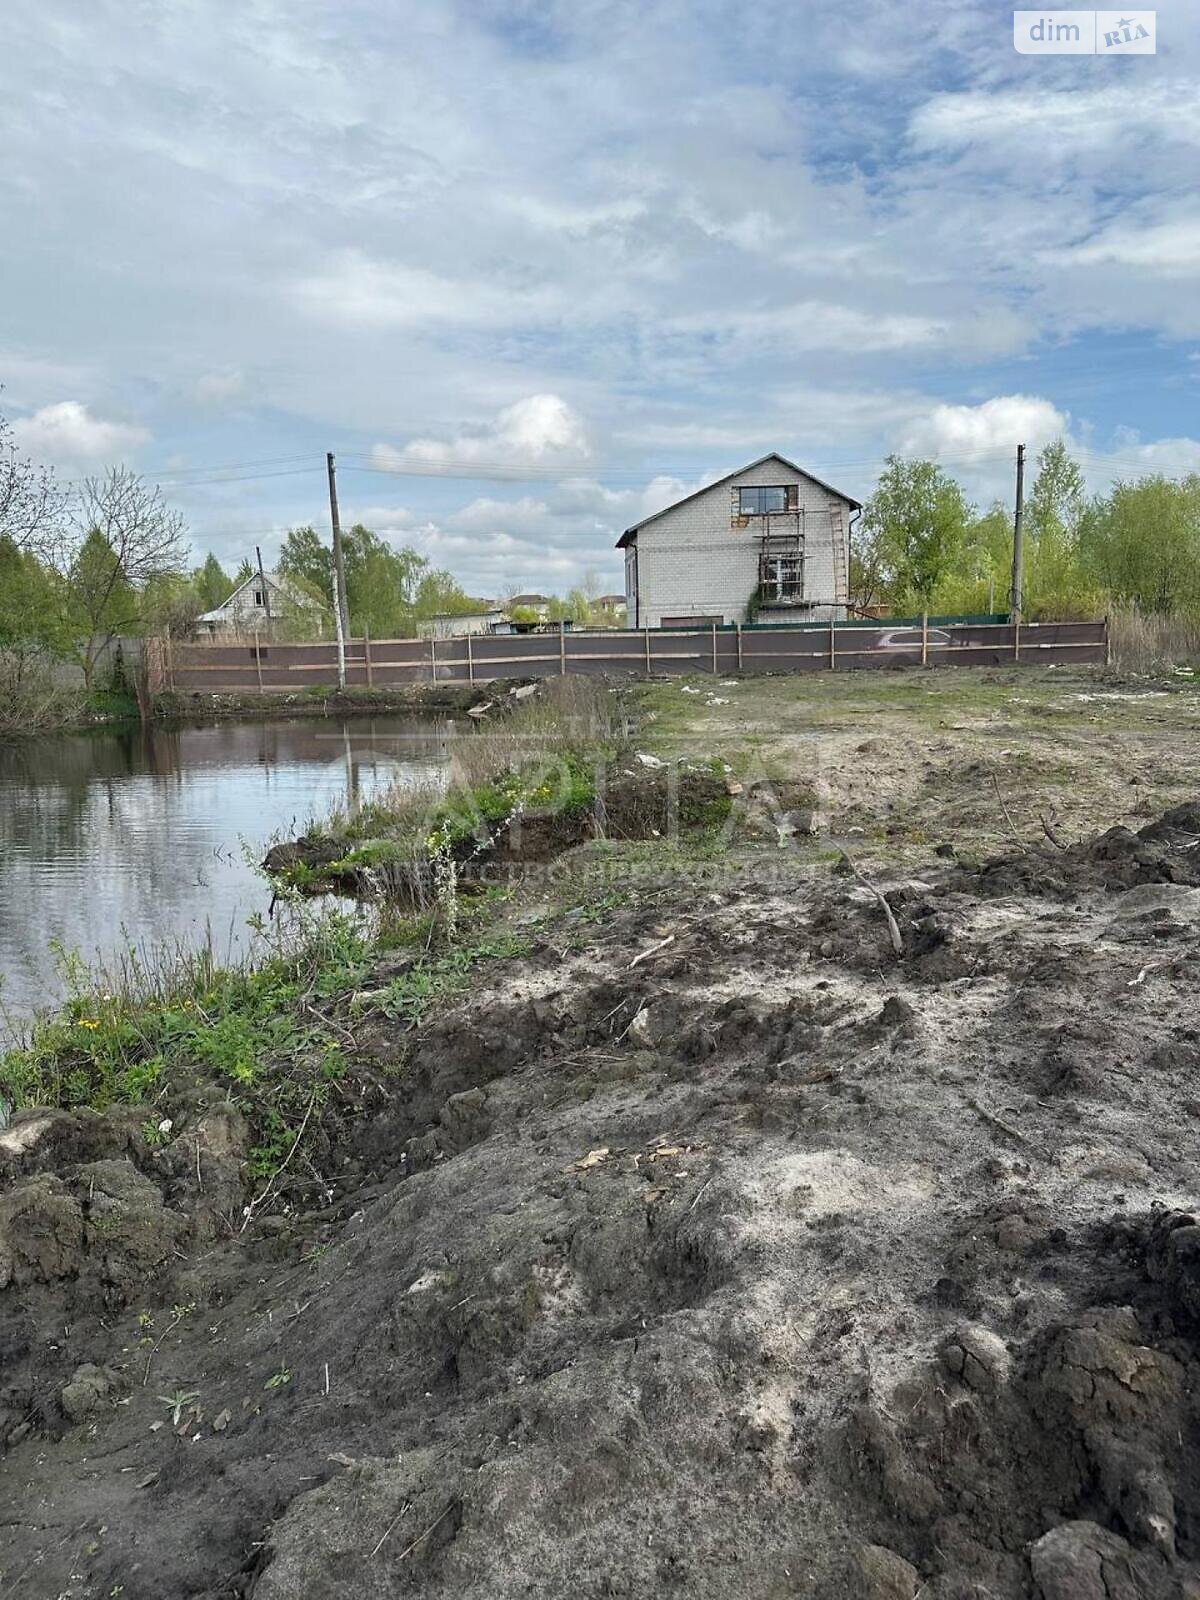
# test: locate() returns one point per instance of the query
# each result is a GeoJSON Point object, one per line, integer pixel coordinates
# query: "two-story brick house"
{"type": "Point", "coordinates": [769, 542]}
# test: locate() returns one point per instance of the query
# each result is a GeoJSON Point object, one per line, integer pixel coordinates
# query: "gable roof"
{"type": "Point", "coordinates": [772, 455]}
{"type": "Point", "coordinates": [280, 585]}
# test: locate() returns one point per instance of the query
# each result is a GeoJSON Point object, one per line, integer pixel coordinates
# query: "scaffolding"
{"type": "Point", "coordinates": [781, 559]}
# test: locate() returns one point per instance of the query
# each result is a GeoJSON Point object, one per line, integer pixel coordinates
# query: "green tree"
{"type": "Point", "coordinates": [1055, 583]}
{"type": "Point", "coordinates": [381, 580]}
{"type": "Point", "coordinates": [916, 523]}
{"type": "Point", "coordinates": [212, 584]}
{"type": "Point", "coordinates": [439, 594]}
{"type": "Point", "coordinates": [32, 612]}
{"type": "Point", "coordinates": [127, 539]}
{"type": "Point", "coordinates": [1142, 543]}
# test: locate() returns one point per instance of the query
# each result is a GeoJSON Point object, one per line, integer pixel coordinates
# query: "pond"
{"type": "Point", "coordinates": [150, 834]}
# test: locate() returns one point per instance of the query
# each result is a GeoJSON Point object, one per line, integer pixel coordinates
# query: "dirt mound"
{"type": "Point", "coordinates": [708, 1249]}
{"type": "Point", "coordinates": [1164, 851]}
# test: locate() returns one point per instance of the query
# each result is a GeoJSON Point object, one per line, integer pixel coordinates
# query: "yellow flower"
{"type": "Point", "coordinates": [86, 1022]}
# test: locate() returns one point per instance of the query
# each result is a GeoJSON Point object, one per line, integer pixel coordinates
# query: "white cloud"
{"type": "Point", "coordinates": [817, 325]}
{"type": "Point", "coordinates": [969, 433]}
{"type": "Point", "coordinates": [66, 434]}
{"type": "Point", "coordinates": [1064, 123]}
{"type": "Point", "coordinates": [216, 388]}
{"type": "Point", "coordinates": [541, 428]}
{"type": "Point", "coordinates": [362, 292]}
{"type": "Point", "coordinates": [1169, 248]}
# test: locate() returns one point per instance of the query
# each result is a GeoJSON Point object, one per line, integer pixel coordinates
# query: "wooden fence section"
{"type": "Point", "coordinates": [479, 658]}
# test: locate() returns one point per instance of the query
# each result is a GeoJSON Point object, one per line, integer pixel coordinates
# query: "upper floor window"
{"type": "Point", "coordinates": [258, 597]}
{"type": "Point", "coordinates": [760, 500]}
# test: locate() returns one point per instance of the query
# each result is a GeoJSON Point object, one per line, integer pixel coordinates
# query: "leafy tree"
{"type": "Point", "coordinates": [917, 523]}
{"type": "Point", "coordinates": [244, 572]}
{"type": "Point", "coordinates": [381, 581]}
{"type": "Point", "coordinates": [32, 614]}
{"type": "Point", "coordinates": [440, 594]}
{"type": "Point", "coordinates": [1142, 543]}
{"type": "Point", "coordinates": [212, 584]}
{"type": "Point", "coordinates": [1055, 583]}
{"type": "Point", "coordinates": [127, 538]}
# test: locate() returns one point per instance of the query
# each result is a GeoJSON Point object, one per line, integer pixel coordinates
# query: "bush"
{"type": "Point", "coordinates": [35, 693]}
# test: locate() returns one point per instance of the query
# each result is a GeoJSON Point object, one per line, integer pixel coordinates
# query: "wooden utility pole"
{"type": "Point", "coordinates": [262, 578]}
{"type": "Point", "coordinates": [341, 612]}
{"type": "Point", "coordinates": [1018, 566]}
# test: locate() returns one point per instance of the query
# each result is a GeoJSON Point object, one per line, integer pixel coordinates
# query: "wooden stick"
{"type": "Point", "coordinates": [893, 925]}
{"type": "Point", "coordinates": [653, 950]}
{"type": "Point", "coordinates": [1017, 839]}
{"type": "Point", "coordinates": [739, 645]}
{"type": "Point", "coordinates": [367, 656]}
{"type": "Point", "coordinates": [470, 661]}
{"type": "Point", "coordinates": [408, 1549]}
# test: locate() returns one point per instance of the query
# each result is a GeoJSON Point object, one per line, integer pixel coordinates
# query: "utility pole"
{"type": "Point", "coordinates": [341, 615]}
{"type": "Point", "coordinates": [1018, 566]}
{"type": "Point", "coordinates": [262, 578]}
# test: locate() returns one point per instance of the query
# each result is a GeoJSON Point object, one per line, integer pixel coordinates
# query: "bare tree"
{"type": "Point", "coordinates": [31, 501]}
{"type": "Point", "coordinates": [126, 538]}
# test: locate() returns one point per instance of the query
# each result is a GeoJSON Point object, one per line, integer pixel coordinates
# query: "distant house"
{"type": "Point", "coordinates": [261, 604]}
{"type": "Point", "coordinates": [449, 625]}
{"type": "Point", "coordinates": [610, 610]}
{"type": "Point", "coordinates": [769, 543]}
{"type": "Point", "coordinates": [531, 602]}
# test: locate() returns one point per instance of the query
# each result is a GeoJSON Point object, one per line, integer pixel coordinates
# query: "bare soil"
{"type": "Point", "coordinates": [709, 1249]}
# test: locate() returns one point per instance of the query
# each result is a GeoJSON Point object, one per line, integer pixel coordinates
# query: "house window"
{"type": "Point", "coordinates": [258, 597]}
{"type": "Point", "coordinates": [761, 500]}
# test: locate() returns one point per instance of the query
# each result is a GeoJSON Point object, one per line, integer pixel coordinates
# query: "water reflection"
{"type": "Point", "coordinates": [147, 829]}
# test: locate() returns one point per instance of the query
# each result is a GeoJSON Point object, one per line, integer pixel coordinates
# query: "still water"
{"type": "Point", "coordinates": [109, 839]}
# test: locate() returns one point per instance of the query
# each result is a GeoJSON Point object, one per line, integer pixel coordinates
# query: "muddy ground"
{"type": "Point", "coordinates": [708, 1249]}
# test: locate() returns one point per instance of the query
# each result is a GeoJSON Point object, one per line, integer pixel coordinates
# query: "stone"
{"type": "Point", "coordinates": [1082, 1561]}
{"type": "Point", "coordinates": [87, 1392]}
{"type": "Point", "coordinates": [878, 1573]}
{"type": "Point", "coordinates": [977, 1357]}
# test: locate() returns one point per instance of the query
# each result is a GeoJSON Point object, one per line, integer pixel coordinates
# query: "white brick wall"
{"type": "Point", "coordinates": [693, 563]}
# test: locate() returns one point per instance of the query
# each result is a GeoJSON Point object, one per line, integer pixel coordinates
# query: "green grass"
{"type": "Point", "coordinates": [273, 1036]}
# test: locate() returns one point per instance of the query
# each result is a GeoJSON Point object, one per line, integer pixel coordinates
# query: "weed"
{"type": "Point", "coordinates": [179, 1402]}
{"type": "Point", "coordinates": [280, 1379]}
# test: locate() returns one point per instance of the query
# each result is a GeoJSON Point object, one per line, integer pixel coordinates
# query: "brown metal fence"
{"type": "Point", "coordinates": [478, 658]}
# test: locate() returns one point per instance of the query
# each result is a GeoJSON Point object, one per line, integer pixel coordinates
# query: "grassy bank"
{"type": "Point", "coordinates": [279, 1036]}
{"type": "Point", "coordinates": [320, 700]}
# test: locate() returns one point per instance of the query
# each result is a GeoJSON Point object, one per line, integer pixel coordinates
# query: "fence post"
{"type": "Point", "coordinates": [924, 638]}
{"type": "Point", "coordinates": [258, 660]}
{"type": "Point", "coordinates": [170, 664]}
{"type": "Point", "coordinates": [367, 657]}
{"type": "Point", "coordinates": [714, 648]}
{"type": "Point", "coordinates": [1107, 645]}
{"type": "Point", "coordinates": [646, 631]}
{"type": "Point", "coordinates": [470, 661]}
{"type": "Point", "coordinates": [1017, 640]}
{"type": "Point", "coordinates": [832, 643]}
{"type": "Point", "coordinates": [432, 659]}
{"type": "Point", "coordinates": [738, 626]}
{"type": "Point", "coordinates": [562, 649]}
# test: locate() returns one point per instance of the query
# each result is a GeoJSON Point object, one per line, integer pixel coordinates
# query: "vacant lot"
{"type": "Point", "coordinates": [696, 1240]}
{"type": "Point", "coordinates": [917, 758]}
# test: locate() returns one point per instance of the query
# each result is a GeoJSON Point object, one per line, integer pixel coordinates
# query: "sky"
{"type": "Point", "coordinates": [534, 270]}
